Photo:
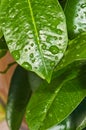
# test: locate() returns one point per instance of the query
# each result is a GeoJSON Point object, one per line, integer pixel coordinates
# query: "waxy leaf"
{"type": "Point", "coordinates": [78, 117]}
{"type": "Point", "coordinates": [18, 98]}
{"type": "Point", "coordinates": [75, 120]}
{"type": "Point", "coordinates": [3, 47]}
{"type": "Point", "coordinates": [62, 2]}
{"type": "Point", "coordinates": [35, 32]}
{"type": "Point", "coordinates": [53, 102]}
{"type": "Point", "coordinates": [75, 11]}
{"type": "Point", "coordinates": [75, 51]}
{"type": "Point", "coordinates": [1, 34]}
{"type": "Point", "coordinates": [53, 99]}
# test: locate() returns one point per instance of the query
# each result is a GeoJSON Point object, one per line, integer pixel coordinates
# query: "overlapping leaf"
{"type": "Point", "coordinates": [35, 32]}
{"type": "Point", "coordinates": [18, 98]}
{"type": "Point", "coordinates": [75, 51]}
{"type": "Point", "coordinates": [75, 121]}
{"type": "Point", "coordinates": [53, 102]}
{"type": "Point", "coordinates": [75, 11]}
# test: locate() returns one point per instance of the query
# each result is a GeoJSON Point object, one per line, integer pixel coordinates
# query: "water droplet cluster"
{"type": "Point", "coordinates": [80, 17]}
{"type": "Point", "coordinates": [37, 38]}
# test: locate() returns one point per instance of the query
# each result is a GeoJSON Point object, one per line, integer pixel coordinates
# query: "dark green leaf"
{"type": "Point", "coordinates": [75, 11]}
{"type": "Point", "coordinates": [18, 98]}
{"type": "Point", "coordinates": [34, 80]}
{"type": "Point", "coordinates": [62, 2]}
{"type": "Point", "coordinates": [3, 47]}
{"type": "Point", "coordinates": [35, 32]}
{"type": "Point", "coordinates": [78, 117]}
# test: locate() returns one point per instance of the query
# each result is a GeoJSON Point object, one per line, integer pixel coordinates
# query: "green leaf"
{"type": "Point", "coordinates": [75, 11]}
{"type": "Point", "coordinates": [75, 51]}
{"type": "Point", "coordinates": [62, 2]}
{"type": "Point", "coordinates": [34, 80]}
{"type": "Point", "coordinates": [1, 34]}
{"type": "Point", "coordinates": [78, 117]}
{"type": "Point", "coordinates": [73, 121]}
{"type": "Point", "coordinates": [3, 47]}
{"type": "Point", "coordinates": [53, 102]}
{"type": "Point", "coordinates": [64, 125]}
{"type": "Point", "coordinates": [35, 32]}
{"type": "Point", "coordinates": [18, 98]}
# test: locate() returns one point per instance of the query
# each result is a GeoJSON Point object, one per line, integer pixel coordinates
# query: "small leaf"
{"type": "Point", "coordinates": [53, 102]}
{"type": "Point", "coordinates": [75, 12]}
{"type": "Point", "coordinates": [18, 98]}
{"type": "Point", "coordinates": [35, 32]}
{"type": "Point", "coordinates": [3, 47]}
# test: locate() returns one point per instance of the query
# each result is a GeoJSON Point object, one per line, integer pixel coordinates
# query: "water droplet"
{"type": "Point", "coordinates": [27, 66]}
{"type": "Point", "coordinates": [31, 55]}
{"type": "Point", "coordinates": [52, 63]}
{"type": "Point", "coordinates": [56, 57]}
{"type": "Point", "coordinates": [83, 5]}
{"type": "Point", "coordinates": [74, 26]}
{"type": "Point", "coordinates": [26, 50]}
{"type": "Point", "coordinates": [43, 46]}
{"type": "Point", "coordinates": [33, 60]}
{"type": "Point", "coordinates": [60, 38]}
{"type": "Point", "coordinates": [16, 54]}
{"type": "Point", "coordinates": [59, 31]}
{"type": "Point", "coordinates": [54, 49]}
{"type": "Point", "coordinates": [80, 30]}
{"type": "Point", "coordinates": [78, 47]}
{"type": "Point", "coordinates": [50, 115]}
{"type": "Point", "coordinates": [76, 15]}
{"type": "Point", "coordinates": [32, 44]}
{"type": "Point", "coordinates": [77, 55]}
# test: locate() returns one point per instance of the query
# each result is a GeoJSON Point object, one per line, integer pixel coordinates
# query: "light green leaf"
{"type": "Point", "coordinates": [35, 32]}
{"type": "Point", "coordinates": [75, 11]}
{"type": "Point", "coordinates": [18, 98]}
{"type": "Point", "coordinates": [75, 51]}
{"type": "Point", "coordinates": [53, 102]}
{"type": "Point", "coordinates": [3, 47]}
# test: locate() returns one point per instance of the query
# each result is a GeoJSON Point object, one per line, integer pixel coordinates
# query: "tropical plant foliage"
{"type": "Point", "coordinates": [48, 41]}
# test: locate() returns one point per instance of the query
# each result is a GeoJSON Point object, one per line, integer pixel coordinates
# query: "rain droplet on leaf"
{"type": "Point", "coordinates": [27, 66]}
{"type": "Point", "coordinates": [54, 49]}
{"type": "Point", "coordinates": [16, 54]}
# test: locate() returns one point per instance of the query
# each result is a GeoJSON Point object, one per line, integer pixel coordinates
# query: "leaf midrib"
{"type": "Point", "coordinates": [54, 96]}
{"type": "Point", "coordinates": [37, 36]}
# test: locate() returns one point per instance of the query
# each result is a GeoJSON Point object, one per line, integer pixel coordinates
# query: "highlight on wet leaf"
{"type": "Point", "coordinates": [36, 39]}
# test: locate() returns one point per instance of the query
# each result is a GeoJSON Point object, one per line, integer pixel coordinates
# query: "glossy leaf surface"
{"type": "Point", "coordinates": [18, 98]}
{"type": "Point", "coordinates": [62, 2]}
{"type": "Point", "coordinates": [74, 120]}
{"type": "Point", "coordinates": [35, 32]}
{"type": "Point", "coordinates": [50, 103]}
{"type": "Point", "coordinates": [76, 51]}
{"type": "Point", "coordinates": [53, 102]}
{"type": "Point", "coordinates": [3, 47]}
{"type": "Point", "coordinates": [75, 11]}
{"type": "Point", "coordinates": [78, 117]}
